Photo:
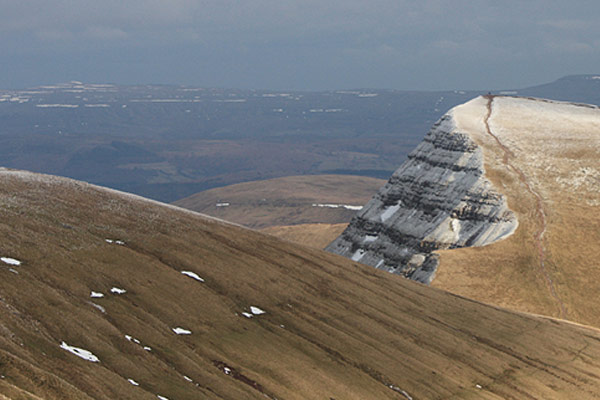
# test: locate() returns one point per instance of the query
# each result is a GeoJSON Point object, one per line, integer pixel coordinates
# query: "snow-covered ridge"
{"type": "Point", "coordinates": [438, 199]}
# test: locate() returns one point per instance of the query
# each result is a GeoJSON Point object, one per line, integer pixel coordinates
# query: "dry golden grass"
{"type": "Point", "coordinates": [313, 235]}
{"type": "Point", "coordinates": [556, 148]}
{"type": "Point", "coordinates": [286, 201]}
{"type": "Point", "coordinates": [333, 328]}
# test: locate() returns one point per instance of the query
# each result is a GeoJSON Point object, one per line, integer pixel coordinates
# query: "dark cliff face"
{"type": "Point", "coordinates": [438, 199]}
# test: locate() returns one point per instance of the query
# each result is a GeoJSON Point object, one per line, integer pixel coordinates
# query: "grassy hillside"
{"type": "Point", "coordinates": [285, 201]}
{"type": "Point", "coordinates": [332, 329]}
{"type": "Point", "coordinates": [312, 235]}
{"type": "Point", "coordinates": [544, 156]}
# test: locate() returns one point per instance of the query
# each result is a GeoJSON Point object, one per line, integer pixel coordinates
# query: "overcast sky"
{"type": "Point", "coordinates": [299, 44]}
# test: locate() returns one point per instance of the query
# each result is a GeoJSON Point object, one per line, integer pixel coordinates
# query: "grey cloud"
{"type": "Point", "coordinates": [302, 44]}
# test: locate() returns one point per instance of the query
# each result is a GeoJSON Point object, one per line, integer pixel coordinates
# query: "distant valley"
{"type": "Point", "coordinates": [169, 142]}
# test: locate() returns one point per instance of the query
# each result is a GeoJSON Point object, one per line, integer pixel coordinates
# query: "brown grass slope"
{"type": "Point", "coordinates": [313, 235]}
{"type": "Point", "coordinates": [333, 329]}
{"type": "Point", "coordinates": [286, 201]}
{"type": "Point", "coordinates": [545, 157]}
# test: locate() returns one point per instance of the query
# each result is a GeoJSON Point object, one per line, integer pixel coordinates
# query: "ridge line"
{"type": "Point", "coordinates": [539, 235]}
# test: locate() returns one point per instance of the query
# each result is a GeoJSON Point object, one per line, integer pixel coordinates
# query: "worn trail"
{"type": "Point", "coordinates": [539, 236]}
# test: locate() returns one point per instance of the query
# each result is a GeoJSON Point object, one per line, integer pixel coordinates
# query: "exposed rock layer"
{"type": "Point", "coordinates": [438, 199]}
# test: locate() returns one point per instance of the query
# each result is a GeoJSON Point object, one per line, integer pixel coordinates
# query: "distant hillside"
{"type": "Point", "coordinates": [575, 88]}
{"type": "Point", "coordinates": [108, 296]}
{"type": "Point", "coordinates": [169, 142]}
{"type": "Point", "coordinates": [292, 200]}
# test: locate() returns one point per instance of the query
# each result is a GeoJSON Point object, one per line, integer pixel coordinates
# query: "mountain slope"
{"type": "Point", "coordinates": [511, 186]}
{"type": "Point", "coordinates": [439, 198]}
{"type": "Point", "coordinates": [545, 157]}
{"type": "Point", "coordinates": [332, 328]}
{"type": "Point", "coordinates": [313, 235]}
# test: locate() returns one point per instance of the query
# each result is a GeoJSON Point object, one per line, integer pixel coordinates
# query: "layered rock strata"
{"type": "Point", "coordinates": [438, 199]}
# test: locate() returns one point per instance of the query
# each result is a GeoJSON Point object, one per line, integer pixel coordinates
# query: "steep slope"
{"type": "Point", "coordinates": [546, 158]}
{"type": "Point", "coordinates": [524, 170]}
{"type": "Point", "coordinates": [105, 295]}
{"type": "Point", "coordinates": [438, 199]}
{"type": "Point", "coordinates": [292, 200]}
{"type": "Point", "coordinates": [312, 235]}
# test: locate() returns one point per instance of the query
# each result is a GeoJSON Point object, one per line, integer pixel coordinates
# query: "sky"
{"type": "Point", "coordinates": [299, 44]}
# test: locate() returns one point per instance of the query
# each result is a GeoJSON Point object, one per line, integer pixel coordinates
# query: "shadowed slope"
{"type": "Point", "coordinates": [332, 328]}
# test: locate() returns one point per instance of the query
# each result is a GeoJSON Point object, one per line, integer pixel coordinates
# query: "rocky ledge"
{"type": "Point", "coordinates": [438, 199]}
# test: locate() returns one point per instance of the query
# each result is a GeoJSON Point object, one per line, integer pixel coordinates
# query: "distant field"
{"type": "Point", "coordinates": [293, 200]}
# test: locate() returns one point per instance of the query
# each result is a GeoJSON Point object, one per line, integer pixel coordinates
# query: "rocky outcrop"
{"type": "Point", "coordinates": [438, 199]}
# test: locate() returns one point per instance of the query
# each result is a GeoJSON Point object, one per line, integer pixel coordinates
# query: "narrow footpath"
{"type": "Point", "coordinates": [539, 236]}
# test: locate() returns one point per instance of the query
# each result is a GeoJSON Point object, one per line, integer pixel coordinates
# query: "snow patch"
{"type": "Point", "coordinates": [116, 290]}
{"type": "Point", "coordinates": [57, 105]}
{"type": "Point", "coordinates": [222, 204]}
{"type": "Point", "coordinates": [161, 397]}
{"type": "Point", "coordinates": [389, 212]}
{"type": "Point", "coordinates": [192, 275]}
{"type": "Point", "coordinates": [230, 101]}
{"type": "Point", "coordinates": [98, 307]}
{"type": "Point", "coordinates": [247, 315]}
{"type": "Point", "coordinates": [134, 383]}
{"type": "Point", "coordinates": [346, 206]}
{"type": "Point", "coordinates": [181, 331]}
{"type": "Point", "coordinates": [370, 238]}
{"type": "Point", "coordinates": [96, 295]}
{"type": "Point", "coordinates": [257, 311]}
{"type": "Point", "coordinates": [10, 261]}
{"type": "Point", "coordinates": [455, 225]}
{"type": "Point", "coordinates": [187, 378]}
{"type": "Point", "coordinates": [79, 352]}
{"type": "Point", "coordinates": [111, 241]}
{"type": "Point", "coordinates": [137, 341]}
{"type": "Point", "coordinates": [358, 254]}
